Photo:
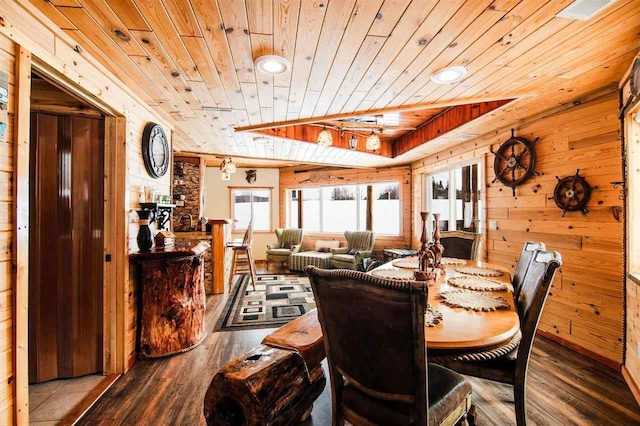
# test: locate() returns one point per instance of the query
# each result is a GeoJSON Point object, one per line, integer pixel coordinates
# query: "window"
{"type": "Point", "coordinates": [251, 203]}
{"type": "Point", "coordinates": [335, 209]}
{"type": "Point", "coordinates": [455, 194]}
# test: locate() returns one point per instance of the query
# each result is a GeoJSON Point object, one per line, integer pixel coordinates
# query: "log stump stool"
{"type": "Point", "coordinates": [171, 300]}
{"type": "Point", "coordinates": [275, 383]}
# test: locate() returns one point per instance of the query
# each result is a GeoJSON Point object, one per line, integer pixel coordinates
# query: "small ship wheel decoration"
{"type": "Point", "coordinates": [572, 193]}
{"type": "Point", "coordinates": [515, 162]}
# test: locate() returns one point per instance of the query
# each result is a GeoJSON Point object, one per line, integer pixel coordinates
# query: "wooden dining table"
{"type": "Point", "coordinates": [461, 331]}
{"type": "Point", "coordinates": [467, 331]}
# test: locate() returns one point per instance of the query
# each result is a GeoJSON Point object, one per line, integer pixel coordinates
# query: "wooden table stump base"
{"type": "Point", "coordinates": [265, 386]}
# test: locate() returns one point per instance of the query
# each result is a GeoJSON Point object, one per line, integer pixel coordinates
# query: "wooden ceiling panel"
{"type": "Point", "coordinates": [194, 60]}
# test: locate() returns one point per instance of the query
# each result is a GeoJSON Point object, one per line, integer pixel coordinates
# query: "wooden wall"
{"type": "Point", "coordinates": [7, 62]}
{"type": "Point", "coordinates": [289, 179]}
{"type": "Point", "coordinates": [585, 307]}
{"type": "Point", "coordinates": [55, 51]}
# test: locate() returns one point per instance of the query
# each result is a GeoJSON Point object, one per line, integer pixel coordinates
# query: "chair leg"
{"type": "Point", "coordinates": [232, 270]}
{"type": "Point", "coordinates": [252, 267]}
{"type": "Point", "coordinates": [520, 397]}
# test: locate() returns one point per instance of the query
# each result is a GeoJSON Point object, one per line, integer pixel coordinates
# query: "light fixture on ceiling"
{"type": "Point", "coordinates": [272, 64]}
{"type": "Point", "coordinates": [261, 139]}
{"type": "Point", "coordinates": [227, 167]}
{"type": "Point", "coordinates": [449, 75]}
{"type": "Point", "coordinates": [353, 142]}
{"type": "Point", "coordinates": [325, 138]}
{"type": "Point", "coordinates": [373, 142]}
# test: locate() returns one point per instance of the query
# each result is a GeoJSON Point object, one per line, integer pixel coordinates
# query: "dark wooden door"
{"type": "Point", "coordinates": [66, 246]}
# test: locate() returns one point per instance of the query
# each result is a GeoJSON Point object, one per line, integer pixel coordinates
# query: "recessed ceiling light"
{"type": "Point", "coordinates": [449, 75]}
{"type": "Point", "coordinates": [272, 64]}
{"type": "Point", "coordinates": [261, 139]}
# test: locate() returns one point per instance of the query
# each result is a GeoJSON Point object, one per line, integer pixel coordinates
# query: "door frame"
{"type": "Point", "coordinates": [115, 229]}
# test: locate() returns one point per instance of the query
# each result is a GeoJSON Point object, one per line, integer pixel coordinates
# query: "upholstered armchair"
{"type": "Point", "coordinates": [359, 247]}
{"type": "Point", "coordinates": [289, 242]}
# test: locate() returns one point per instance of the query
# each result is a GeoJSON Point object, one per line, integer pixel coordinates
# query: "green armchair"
{"type": "Point", "coordinates": [289, 242]}
{"type": "Point", "coordinates": [359, 247]}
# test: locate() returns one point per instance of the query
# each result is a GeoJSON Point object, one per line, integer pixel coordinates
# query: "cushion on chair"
{"type": "Point", "coordinates": [447, 390]}
{"type": "Point", "coordinates": [279, 251]}
{"type": "Point", "coordinates": [344, 258]}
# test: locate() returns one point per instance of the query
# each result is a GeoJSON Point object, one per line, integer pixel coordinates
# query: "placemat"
{"type": "Point", "coordinates": [473, 300]}
{"type": "Point", "coordinates": [480, 271]}
{"type": "Point", "coordinates": [453, 261]}
{"type": "Point", "coordinates": [478, 284]}
{"type": "Point", "coordinates": [410, 262]}
{"type": "Point", "coordinates": [394, 274]}
{"type": "Point", "coordinates": [432, 317]}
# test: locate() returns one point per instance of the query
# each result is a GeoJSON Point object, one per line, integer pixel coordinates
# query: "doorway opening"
{"type": "Point", "coordinates": [66, 254]}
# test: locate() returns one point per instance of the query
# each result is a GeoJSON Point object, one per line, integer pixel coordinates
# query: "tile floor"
{"type": "Point", "coordinates": [50, 401]}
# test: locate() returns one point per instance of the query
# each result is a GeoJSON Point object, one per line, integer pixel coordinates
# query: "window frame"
{"type": "Point", "coordinates": [361, 205]}
{"type": "Point", "coordinates": [251, 189]}
{"type": "Point", "coordinates": [427, 193]}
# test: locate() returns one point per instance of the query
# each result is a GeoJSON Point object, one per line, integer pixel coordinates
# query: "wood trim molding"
{"type": "Point", "coordinates": [446, 121]}
{"type": "Point", "coordinates": [633, 386]}
{"type": "Point", "coordinates": [579, 349]}
{"type": "Point", "coordinates": [21, 236]}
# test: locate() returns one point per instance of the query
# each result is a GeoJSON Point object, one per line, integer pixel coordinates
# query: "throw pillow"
{"type": "Point", "coordinates": [353, 252]}
{"type": "Point", "coordinates": [324, 250]}
{"type": "Point", "coordinates": [286, 245]}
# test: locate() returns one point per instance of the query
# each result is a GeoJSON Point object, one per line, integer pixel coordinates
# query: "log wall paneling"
{"type": "Point", "coordinates": [584, 309]}
{"type": "Point", "coordinates": [55, 54]}
{"type": "Point", "coordinates": [289, 179]}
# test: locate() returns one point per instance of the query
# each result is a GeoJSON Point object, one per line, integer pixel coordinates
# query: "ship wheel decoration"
{"type": "Point", "coordinates": [572, 193]}
{"type": "Point", "coordinates": [515, 162]}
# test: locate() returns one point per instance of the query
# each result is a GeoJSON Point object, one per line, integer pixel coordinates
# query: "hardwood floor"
{"type": "Point", "coordinates": [564, 387]}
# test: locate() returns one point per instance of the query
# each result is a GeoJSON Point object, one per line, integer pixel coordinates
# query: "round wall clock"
{"type": "Point", "coordinates": [155, 150]}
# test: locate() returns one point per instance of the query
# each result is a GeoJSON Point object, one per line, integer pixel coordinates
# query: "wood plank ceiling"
{"type": "Point", "coordinates": [193, 59]}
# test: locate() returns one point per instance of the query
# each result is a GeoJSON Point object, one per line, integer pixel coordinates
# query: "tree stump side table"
{"type": "Point", "coordinates": [171, 300]}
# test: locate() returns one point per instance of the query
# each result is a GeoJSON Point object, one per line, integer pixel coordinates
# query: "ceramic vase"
{"type": "Point", "coordinates": [144, 239]}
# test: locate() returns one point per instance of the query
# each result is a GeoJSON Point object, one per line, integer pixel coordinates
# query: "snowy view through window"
{"type": "Point", "coordinates": [252, 202]}
{"type": "Point", "coordinates": [335, 209]}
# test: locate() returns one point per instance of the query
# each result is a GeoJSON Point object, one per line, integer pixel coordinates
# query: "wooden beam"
{"type": "Point", "coordinates": [21, 237]}
{"type": "Point", "coordinates": [377, 111]}
{"type": "Point", "coordinates": [448, 120]}
{"type": "Point", "coordinates": [308, 133]}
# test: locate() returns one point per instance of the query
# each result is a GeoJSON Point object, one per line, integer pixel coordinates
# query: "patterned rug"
{"type": "Point", "coordinates": [276, 300]}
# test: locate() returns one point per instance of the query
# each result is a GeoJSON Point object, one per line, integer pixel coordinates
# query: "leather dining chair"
{"type": "Point", "coordinates": [526, 256]}
{"type": "Point", "coordinates": [374, 338]}
{"type": "Point", "coordinates": [461, 244]}
{"type": "Point", "coordinates": [512, 367]}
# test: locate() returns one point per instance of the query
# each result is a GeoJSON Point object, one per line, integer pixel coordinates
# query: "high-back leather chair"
{"type": "Point", "coordinates": [512, 367]}
{"type": "Point", "coordinates": [461, 244]}
{"type": "Point", "coordinates": [526, 256]}
{"type": "Point", "coordinates": [374, 338]}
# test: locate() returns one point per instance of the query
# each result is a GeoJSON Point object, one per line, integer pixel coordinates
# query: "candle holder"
{"type": "Point", "coordinates": [437, 248]}
{"type": "Point", "coordinates": [426, 258]}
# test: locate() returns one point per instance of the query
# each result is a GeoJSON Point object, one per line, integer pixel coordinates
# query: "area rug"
{"type": "Point", "coordinates": [276, 300]}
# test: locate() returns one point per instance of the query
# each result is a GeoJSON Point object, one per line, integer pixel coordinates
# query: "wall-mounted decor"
{"type": "Point", "coordinates": [572, 193]}
{"type": "Point", "coordinates": [155, 150]}
{"type": "Point", "coordinates": [252, 176]}
{"type": "Point", "coordinates": [515, 162]}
